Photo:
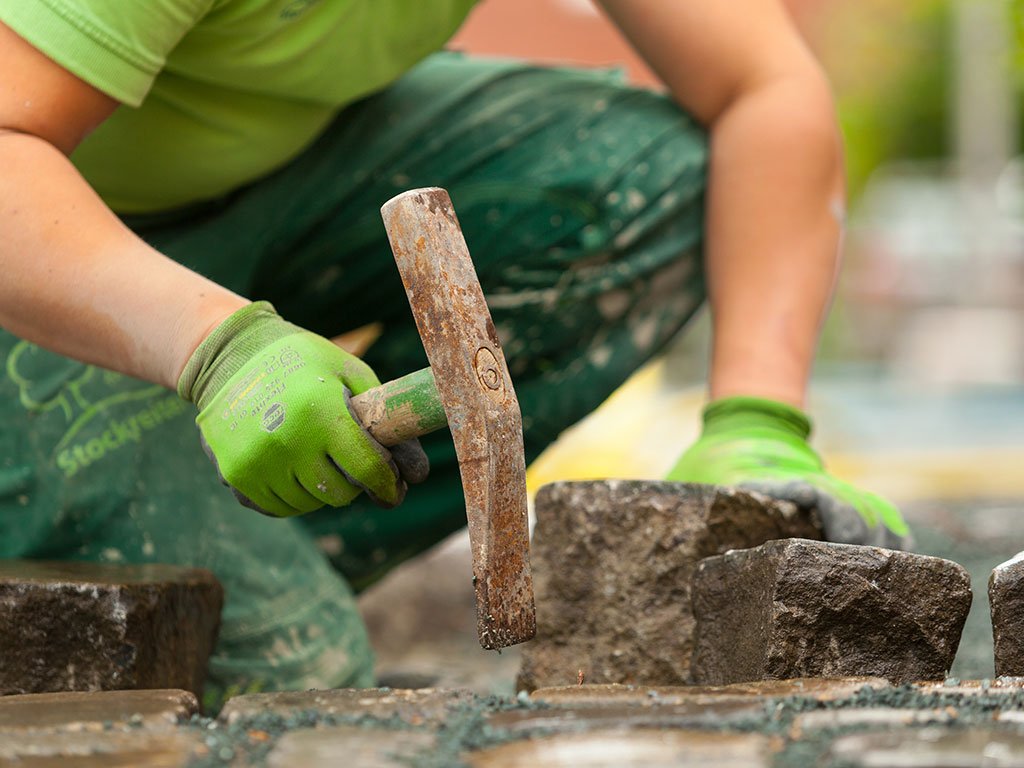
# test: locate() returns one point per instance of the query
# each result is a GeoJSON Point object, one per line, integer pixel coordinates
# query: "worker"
{"type": "Point", "coordinates": [189, 195]}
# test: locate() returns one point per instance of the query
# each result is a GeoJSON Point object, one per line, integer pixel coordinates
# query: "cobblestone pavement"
{"type": "Point", "coordinates": [422, 623]}
{"type": "Point", "coordinates": [828, 723]}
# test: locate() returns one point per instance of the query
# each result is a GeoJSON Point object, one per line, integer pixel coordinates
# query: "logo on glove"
{"type": "Point", "coordinates": [273, 417]}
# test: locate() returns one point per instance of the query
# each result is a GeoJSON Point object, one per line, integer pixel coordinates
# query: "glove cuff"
{"type": "Point", "coordinates": [228, 347]}
{"type": "Point", "coordinates": [755, 413]}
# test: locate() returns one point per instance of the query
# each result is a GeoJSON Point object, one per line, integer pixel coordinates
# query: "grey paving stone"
{"type": "Point", "coordinates": [799, 608]}
{"type": "Point", "coordinates": [415, 707]}
{"type": "Point", "coordinates": [613, 561]}
{"type": "Point", "coordinates": [693, 713]}
{"type": "Point", "coordinates": [820, 689]}
{"type": "Point", "coordinates": [998, 686]}
{"type": "Point", "coordinates": [930, 747]}
{"type": "Point", "coordinates": [630, 749]}
{"type": "Point", "coordinates": [95, 711]}
{"type": "Point", "coordinates": [334, 746]}
{"type": "Point", "coordinates": [1006, 604]}
{"type": "Point", "coordinates": [1012, 716]}
{"type": "Point", "coordinates": [115, 749]}
{"type": "Point", "coordinates": [91, 626]}
{"type": "Point", "coordinates": [857, 717]}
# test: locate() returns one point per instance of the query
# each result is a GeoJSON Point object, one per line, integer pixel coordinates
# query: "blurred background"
{"type": "Point", "coordinates": [919, 390]}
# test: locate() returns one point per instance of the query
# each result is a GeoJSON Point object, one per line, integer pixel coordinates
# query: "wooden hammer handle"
{"type": "Point", "coordinates": [401, 409]}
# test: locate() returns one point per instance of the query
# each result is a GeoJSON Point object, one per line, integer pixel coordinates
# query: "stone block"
{"type": "Point", "coordinates": [644, 748]}
{"type": "Point", "coordinates": [612, 563]}
{"type": "Point", "coordinates": [416, 707]}
{"type": "Point", "coordinates": [819, 689]}
{"type": "Point", "coordinates": [1006, 603]}
{"type": "Point", "coordinates": [115, 749]}
{"type": "Point", "coordinates": [696, 712]}
{"type": "Point", "coordinates": [867, 717]}
{"type": "Point", "coordinates": [798, 608]}
{"type": "Point", "coordinates": [150, 710]}
{"type": "Point", "coordinates": [930, 747]}
{"type": "Point", "coordinates": [91, 627]}
{"type": "Point", "coordinates": [333, 746]}
{"type": "Point", "coordinates": [1006, 687]}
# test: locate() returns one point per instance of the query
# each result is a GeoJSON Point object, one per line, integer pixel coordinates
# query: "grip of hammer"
{"type": "Point", "coordinates": [402, 409]}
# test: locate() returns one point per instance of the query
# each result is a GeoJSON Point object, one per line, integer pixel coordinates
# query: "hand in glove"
{"type": "Point", "coordinates": [761, 445]}
{"type": "Point", "coordinates": [274, 418]}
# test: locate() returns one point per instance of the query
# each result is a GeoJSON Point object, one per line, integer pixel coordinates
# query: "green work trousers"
{"type": "Point", "coordinates": [581, 201]}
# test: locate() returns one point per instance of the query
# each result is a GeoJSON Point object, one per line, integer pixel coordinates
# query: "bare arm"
{"type": "Point", "coordinates": [775, 192]}
{"type": "Point", "coordinates": [75, 279]}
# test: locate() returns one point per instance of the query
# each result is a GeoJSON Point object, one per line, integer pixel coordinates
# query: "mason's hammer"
{"type": "Point", "coordinates": [467, 387]}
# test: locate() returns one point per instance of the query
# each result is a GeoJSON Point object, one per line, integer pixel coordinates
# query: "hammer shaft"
{"type": "Point", "coordinates": [401, 409]}
{"type": "Point", "coordinates": [475, 389]}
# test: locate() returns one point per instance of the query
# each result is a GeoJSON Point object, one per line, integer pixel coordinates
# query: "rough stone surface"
{"type": "Point", "coordinates": [819, 689]}
{"type": "Point", "coordinates": [348, 745]}
{"type": "Point", "coordinates": [612, 563]}
{"type": "Point", "coordinates": [637, 749]}
{"type": "Point", "coordinates": [931, 747]}
{"type": "Point", "coordinates": [95, 711]}
{"type": "Point", "coordinates": [416, 707]}
{"type": "Point", "coordinates": [1006, 603]}
{"type": "Point", "coordinates": [90, 627]}
{"type": "Point", "coordinates": [799, 608]}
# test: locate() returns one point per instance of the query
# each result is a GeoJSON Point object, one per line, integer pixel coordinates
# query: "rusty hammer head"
{"type": "Point", "coordinates": [482, 410]}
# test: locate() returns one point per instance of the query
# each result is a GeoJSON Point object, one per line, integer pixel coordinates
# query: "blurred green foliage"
{"type": "Point", "coordinates": [891, 65]}
{"type": "Point", "coordinates": [1017, 15]}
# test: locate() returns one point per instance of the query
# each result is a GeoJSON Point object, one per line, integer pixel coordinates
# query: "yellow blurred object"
{"type": "Point", "coordinates": [360, 339]}
{"type": "Point", "coordinates": [638, 433]}
{"type": "Point", "coordinates": [642, 429]}
{"type": "Point", "coordinates": [974, 473]}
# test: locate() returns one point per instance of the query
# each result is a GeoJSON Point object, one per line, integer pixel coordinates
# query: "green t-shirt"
{"type": "Point", "coordinates": [220, 92]}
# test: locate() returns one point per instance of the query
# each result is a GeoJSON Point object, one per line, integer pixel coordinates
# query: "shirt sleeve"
{"type": "Point", "coordinates": [117, 46]}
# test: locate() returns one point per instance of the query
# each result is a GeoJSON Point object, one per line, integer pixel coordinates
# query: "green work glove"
{"type": "Point", "coordinates": [275, 420]}
{"type": "Point", "coordinates": [761, 445]}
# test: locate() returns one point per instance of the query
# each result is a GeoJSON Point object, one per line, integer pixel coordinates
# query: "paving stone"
{"type": "Point", "coordinates": [612, 563]}
{"type": "Point", "coordinates": [692, 713]}
{"type": "Point", "coordinates": [95, 711]}
{"type": "Point", "coordinates": [858, 717]}
{"type": "Point", "coordinates": [998, 686]}
{"type": "Point", "coordinates": [930, 747]}
{"type": "Point", "coordinates": [415, 707]}
{"type": "Point", "coordinates": [643, 748]}
{"type": "Point", "coordinates": [332, 746]}
{"type": "Point", "coordinates": [1006, 603]}
{"type": "Point", "coordinates": [817, 688]}
{"type": "Point", "coordinates": [820, 689]}
{"type": "Point", "coordinates": [91, 626]}
{"type": "Point", "coordinates": [799, 608]}
{"type": "Point", "coordinates": [116, 749]}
